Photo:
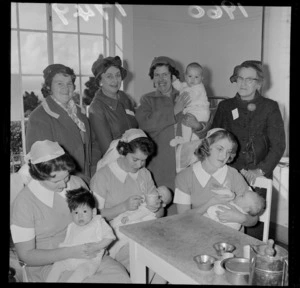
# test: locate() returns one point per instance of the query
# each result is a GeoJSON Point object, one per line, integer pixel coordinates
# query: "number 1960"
{"type": "Point", "coordinates": [198, 11]}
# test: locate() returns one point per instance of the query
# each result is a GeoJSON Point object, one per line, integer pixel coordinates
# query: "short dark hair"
{"type": "Point", "coordinates": [66, 71]}
{"type": "Point", "coordinates": [42, 171]}
{"type": "Point", "coordinates": [203, 151]}
{"type": "Point", "coordinates": [172, 70]}
{"type": "Point", "coordinates": [146, 145]}
{"type": "Point", "coordinates": [80, 196]}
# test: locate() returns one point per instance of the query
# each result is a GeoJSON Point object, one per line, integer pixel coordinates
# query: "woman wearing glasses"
{"type": "Point", "coordinates": [256, 122]}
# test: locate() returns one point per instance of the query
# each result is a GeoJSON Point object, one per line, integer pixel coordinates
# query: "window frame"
{"type": "Point", "coordinates": [108, 48]}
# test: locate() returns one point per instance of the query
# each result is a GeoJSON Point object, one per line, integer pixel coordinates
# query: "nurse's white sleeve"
{"type": "Point", "coordinates": [21, 234]}
{"type": "Point", "coordinates": [181, 197]}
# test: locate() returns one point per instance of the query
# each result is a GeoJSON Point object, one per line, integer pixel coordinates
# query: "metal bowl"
{"type": "Point", "coordinates": [204, 262]}
{"type": "Point", "coordinates": [237, 270]}
{"type": "Point", "coordinates": [223, 247]}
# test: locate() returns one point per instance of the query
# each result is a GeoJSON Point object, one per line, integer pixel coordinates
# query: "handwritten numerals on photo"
{"type": "Point", "coordinates": [228, 7]}
{"type": "Point", "coordinates": [86, 12]}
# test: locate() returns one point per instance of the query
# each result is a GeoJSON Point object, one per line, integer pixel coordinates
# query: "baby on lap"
{"type": "Point", "coordinates": [145, 212]}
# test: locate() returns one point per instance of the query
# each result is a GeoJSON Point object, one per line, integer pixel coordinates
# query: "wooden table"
{"type": "Point", "coordinates": [168, 245]}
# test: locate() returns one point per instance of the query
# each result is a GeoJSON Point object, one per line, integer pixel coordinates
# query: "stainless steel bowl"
{"type": "Point", "coordinates": [237, 270]}
{"type": "Point", "coordinates": [204, 262]}
{"type": "Point", "coordinates": [223, 247]}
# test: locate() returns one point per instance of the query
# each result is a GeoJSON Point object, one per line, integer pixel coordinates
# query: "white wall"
{"type": "Point", "coordinates": [276, 57]}
{"type": "Point", "coordinates": [217, 44]}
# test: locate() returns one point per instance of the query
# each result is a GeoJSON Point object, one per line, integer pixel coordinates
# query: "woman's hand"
{"type": "Point", "coordinates": [231, 214]}
{"type": "Point", "coordinates": [93, 248]}
{"type": "Point", "coordinates": [155, 206]}
{"type": "Point", "coordinates": [182, 101]}
{"type": "Point", "coordinates": [191, 121]}
{"type": "Point", "coordinates": [83, 251]}
{"type": "Point", "coordinates": [251, 175]}
{"type": "Point", "coordinates": [133, 202]}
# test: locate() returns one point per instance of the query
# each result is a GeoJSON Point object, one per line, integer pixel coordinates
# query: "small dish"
{"type": "Point", "coordinates": [223, 247]}
{"type": "Point", "coordinates": [237, 270]}
{"type": "Point", "coordinates": [204, 262]}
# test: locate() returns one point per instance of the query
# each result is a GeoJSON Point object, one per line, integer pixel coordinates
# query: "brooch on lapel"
{"type": "Point", "coordinates": [251, 107]}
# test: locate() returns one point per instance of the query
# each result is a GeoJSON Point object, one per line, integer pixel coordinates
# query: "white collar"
{"type": "Point", "coordinates": [120, 173]}
{"type": "Point", "coordinates": [43, 194]}
{"type": "Point", "coordinates": [203, 177]}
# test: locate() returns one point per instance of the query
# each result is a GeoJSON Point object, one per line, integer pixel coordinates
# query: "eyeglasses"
{"type": "Point", "coordinates": [163, 75]}
{"type": "Point", "coordinates": [247, 80]}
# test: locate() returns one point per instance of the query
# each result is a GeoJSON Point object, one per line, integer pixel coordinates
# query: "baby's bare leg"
{"type": "Point", "coordinates": [56, 271]}
{"type": "Point", "coordinates": [83, 271]}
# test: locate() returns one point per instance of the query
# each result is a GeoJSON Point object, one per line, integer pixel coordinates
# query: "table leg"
{"type": "Point", "coordinates": [137, 268]}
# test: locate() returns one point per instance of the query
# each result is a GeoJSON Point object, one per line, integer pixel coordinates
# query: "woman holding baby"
{"type": "Point", "coordinates": [122, 180]}
{"type": "Point", "coordinates": [205, 183]}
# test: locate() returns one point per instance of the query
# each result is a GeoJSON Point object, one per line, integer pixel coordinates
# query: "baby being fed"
{"type": "Point", "coordinates": [248, 203]}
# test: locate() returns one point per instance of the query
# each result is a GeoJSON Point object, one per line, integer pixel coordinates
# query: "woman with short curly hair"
{"type": "Point", "coordinates": [59, 118]}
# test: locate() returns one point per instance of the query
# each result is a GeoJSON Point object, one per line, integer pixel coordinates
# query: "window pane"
{"type": "Point", "coordinates": [91, 47]}
{"type": "Point", "coordinates": [14, 58]}
{"type": "Point", "coordinates": [34, 53]}
{"type": "Point", "coordinates": [15, 97]}
{"type": "Point", "coordinates": [118, 32]}
{"type": "Point", "coordinates": [63, 17]}
{"type": "Point", "coordinates": [32, 94]}
{"type": "Point", "coordinates": [107, 37]}
{"type": "Point", "coordinates": [119, 52]}
{"type": "Point", "coordinates": [91, 21]}
{"type": "Point", "coordinates": [65, 49]}
{"type": "Point", "coordinates": [32, 16]}
{"type": "Point", "coordinates": [13, 16]}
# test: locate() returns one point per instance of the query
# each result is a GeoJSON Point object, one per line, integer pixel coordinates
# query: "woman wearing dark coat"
{"type": "Point", "coordinates": [111, 112]}
{"type": "Point", "coordinates": [58, 118]}
{"type": "Point", "coordinates": [256, 122]}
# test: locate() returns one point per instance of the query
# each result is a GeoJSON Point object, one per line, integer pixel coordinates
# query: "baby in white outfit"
{"type": "Point", "coordinates": [87, 227]}
{"type": "Point", "coordinates": [145, 212]}
{"type": "Point", "coordinates": [198, 105]}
